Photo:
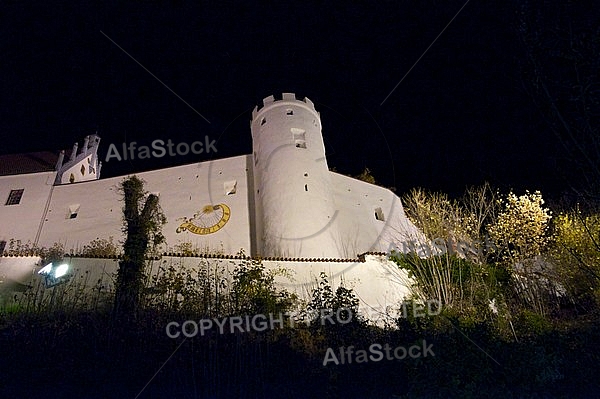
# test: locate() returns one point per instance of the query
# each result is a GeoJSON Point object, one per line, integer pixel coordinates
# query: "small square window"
{"type": "Point", "coordinates": [289, 112]}
{"type": "Point", "coordinates": [14, 197]}
{"type": "Point", "coordinates": [73, 211]}
{"type": "Point", "coordinates": [300, 144]}
{"type": "Point", "coordinates": [379, 215]}
{"type": "Point", "coordinates": [230, 187]}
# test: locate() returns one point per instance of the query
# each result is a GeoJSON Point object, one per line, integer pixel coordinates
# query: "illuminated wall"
{"type": "Point", "coordinates": [280, 201]}
{"type": "Point", "coordinates": [22, 220]}
{"type": "Point", "coordinates": [188, 194]}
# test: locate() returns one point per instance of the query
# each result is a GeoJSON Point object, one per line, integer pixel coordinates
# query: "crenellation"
{"type": "Point", "coordinates": [268, 100]}
{"type": "Point", "coordinates": [285, 97]}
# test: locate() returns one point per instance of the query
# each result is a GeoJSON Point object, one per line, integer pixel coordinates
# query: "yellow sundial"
{"type": "Point", "coordinates": [209, 220]}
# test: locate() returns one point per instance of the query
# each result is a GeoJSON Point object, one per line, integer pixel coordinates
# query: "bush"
{"type": "Point", "coordinates": [100, 248]}
{"type": "Point", "coordinates": [576, 252]}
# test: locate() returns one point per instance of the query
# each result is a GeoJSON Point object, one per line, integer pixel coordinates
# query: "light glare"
{"type": "Point", "coordinates": [46, 269]}
{"type": "Point", "coordinates": [61, 270]}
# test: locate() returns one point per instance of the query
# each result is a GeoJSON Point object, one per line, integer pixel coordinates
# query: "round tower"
{"type": "Point", "coordinates": [295, 209]}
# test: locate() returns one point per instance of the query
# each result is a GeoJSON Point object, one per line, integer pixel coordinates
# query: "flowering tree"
{"type": "Point", "coordinates": [521, 232]}
{"type": "Point", "coordinates": [522, 226]}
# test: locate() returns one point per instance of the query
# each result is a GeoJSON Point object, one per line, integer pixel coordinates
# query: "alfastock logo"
{"type": "Point", "coordinates": [157, 149]}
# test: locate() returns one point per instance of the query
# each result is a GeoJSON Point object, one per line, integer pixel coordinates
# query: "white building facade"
{"type": "Point", "coordinates": [280, 203]}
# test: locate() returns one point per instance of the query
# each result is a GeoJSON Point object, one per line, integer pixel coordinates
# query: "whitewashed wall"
{"type": "Point", "coordinates": [22, 221]}
{"type": "Point", "coordinates": [183, 191]}
{"type": "Point", "coordinates": [360, 231]}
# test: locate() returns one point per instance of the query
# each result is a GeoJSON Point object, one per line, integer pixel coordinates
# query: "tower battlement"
{"type": "Point", "coordinates": [285, 97]}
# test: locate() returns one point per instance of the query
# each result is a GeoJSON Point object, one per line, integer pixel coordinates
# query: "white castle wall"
{"type": "Point", "coordinates": [286, 201]}
{"type": "Point", "coordinates": [22, 221]}
{"type": "Point", "coordinates": [294, 202]}
{"type": "Point", "coordinates": [377, 282]}
{"type": "Point", "coordinates": [183, 191]}
{"type": "Point", "coordinates": [370, 218]}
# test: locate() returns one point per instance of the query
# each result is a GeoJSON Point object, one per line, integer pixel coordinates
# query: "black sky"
{"type": "Point", "coordinates": [460, 117]}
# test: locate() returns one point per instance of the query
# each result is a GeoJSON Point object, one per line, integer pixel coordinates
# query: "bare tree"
{"type": "Point", "coordinates": [142, 227]}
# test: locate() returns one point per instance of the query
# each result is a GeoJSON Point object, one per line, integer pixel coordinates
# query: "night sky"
{"type": "Point", "coordinates": [461, 116]}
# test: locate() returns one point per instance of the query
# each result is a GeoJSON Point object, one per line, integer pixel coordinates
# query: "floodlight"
{"type": "Point", "coordinates": [54, 275]}
{"type": "Point", "coordinates": [61, 270]}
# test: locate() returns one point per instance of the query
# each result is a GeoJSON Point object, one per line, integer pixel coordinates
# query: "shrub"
{"type": "Point", "coordinates": [576, 252]}
{"type": "Point", "coordinates": [101, 248]}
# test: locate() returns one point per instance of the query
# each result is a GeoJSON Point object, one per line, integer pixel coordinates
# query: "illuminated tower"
{"type": "Point", "coordinates": [295, 210]}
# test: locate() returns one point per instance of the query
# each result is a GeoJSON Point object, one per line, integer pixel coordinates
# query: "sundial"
{"type": "Point", "coordinates": [210, 219]}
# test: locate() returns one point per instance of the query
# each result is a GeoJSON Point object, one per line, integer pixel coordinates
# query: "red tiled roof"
{"type": "Point", "coordinates": [33, 162]}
